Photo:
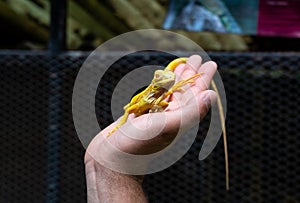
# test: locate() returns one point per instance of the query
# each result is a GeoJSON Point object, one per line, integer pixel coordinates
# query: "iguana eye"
{"type": "Point", "coordinates": [157, 75]}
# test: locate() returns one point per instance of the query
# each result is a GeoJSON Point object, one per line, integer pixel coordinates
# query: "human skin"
{"type": "Point", "coordinates": [106, 185]}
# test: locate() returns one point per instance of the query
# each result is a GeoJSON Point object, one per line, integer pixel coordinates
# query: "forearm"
{"type": "Point", "coordinates": [105, 185]}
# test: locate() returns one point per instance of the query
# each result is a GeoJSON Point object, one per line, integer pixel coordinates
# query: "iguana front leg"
{"type": "Point", "coordinates": [159, 107]}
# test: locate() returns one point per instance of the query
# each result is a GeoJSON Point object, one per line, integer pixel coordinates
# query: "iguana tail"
{"type": "Point", "coordinates": [172, 66]}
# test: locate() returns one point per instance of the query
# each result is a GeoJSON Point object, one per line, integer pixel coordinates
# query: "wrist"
{"type": "Point", "coordinates": [106, 185]}
{"type": "Point", "coordinates": [106, 173]}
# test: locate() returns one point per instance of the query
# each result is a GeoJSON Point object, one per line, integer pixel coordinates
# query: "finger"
{"type": "Point", "coordinates": [208, 69]}
{"type": "Point", "coordinates": [202, 83]}
{"type": "Point", "coordinates": [196, 109]}
{"type": "Point", "coordinates": [179, 70]}
{"type": "Point", "coordinates": [190, 69]}
{"type": "Point", "coordinates": [192, 66]}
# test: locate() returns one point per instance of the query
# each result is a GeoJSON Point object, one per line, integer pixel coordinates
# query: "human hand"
{"type": "Point", "coordinates": [136, 137]}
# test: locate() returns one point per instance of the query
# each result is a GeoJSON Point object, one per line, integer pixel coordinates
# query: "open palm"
{"type": "Point", "coordinates": [152, 132]}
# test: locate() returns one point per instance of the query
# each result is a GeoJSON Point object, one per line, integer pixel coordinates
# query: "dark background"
{"type": "Point", "coordinates": [42, 158]}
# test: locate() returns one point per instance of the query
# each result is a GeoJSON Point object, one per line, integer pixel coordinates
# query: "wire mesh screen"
{"type": "Point", "coordinates": [42, 157]}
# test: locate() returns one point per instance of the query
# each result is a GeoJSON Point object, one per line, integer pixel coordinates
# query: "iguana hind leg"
{"type": "Point", "coordinates": [161, 106]}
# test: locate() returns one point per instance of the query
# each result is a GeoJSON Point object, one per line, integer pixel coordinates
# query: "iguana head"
{"type": "Point", "coordinates": [163, 79]}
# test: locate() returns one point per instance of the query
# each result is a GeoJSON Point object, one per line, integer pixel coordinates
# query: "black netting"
{"type": "Point", "coordinates": [42, 158]}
